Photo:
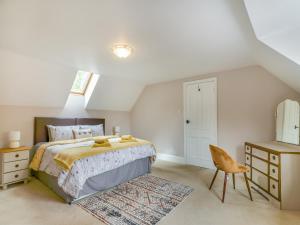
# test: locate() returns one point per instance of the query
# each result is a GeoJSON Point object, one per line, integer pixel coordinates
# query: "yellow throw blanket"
{"type": "Point", "coordinates": [66, 158]}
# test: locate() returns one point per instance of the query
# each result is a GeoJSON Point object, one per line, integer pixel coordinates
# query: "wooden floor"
{"type": "Point", "coordinates": [35, 204]}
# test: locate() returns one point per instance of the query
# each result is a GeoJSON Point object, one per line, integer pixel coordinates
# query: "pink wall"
{"type": "Point", "coordinates": [21, 118]}
{"type": "Point", "coordinates": [247, 99]}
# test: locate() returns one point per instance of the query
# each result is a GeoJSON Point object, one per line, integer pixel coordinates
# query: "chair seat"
{"type": "Point", "coordinates": [237, 168]}
{"type": "Point", "coordinates": [240, 169]}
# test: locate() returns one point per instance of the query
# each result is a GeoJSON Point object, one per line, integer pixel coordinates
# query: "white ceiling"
{"type": "Point", "coordinates": [44, 43]}
{"type": "Point", "coordinates": [171, 38]}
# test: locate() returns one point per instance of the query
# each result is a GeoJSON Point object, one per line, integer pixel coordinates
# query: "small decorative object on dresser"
{"type": "Point", "coordinates": [274, 172]}
{"type": "Point", "coordinates": [14, 165]}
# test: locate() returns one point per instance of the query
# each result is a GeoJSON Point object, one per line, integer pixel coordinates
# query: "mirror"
{"type": "Point", "coordinates": [287, 122]}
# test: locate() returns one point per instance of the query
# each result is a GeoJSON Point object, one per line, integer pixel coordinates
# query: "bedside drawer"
{"type": "Point", "coordinates": [274, 189]}
{"type": "Point", "coordinates": [274, 172]}
{"type": "Point", "coordinates": [13, 156]}
{"type": "Point", "coordinates": [15, 176]}
{"type": "Point", "coordinates": [274, 159]}
{"type": "Point", "coordinates": [16, 165]}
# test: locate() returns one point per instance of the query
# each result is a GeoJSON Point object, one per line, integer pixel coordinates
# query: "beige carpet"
{"type": "Point", "coordinates": [35, 204]}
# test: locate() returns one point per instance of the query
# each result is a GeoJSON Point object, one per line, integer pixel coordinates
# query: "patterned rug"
{"type": "Point", "coordinates": [141, 201]}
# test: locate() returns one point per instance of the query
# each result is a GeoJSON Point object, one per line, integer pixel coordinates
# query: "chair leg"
{"type": "Point", "coordinates": [233, 180]}
{"type": "Point", "coordinates": [224, 188]}
{"type": "Point", "coordinates": [213, 180]}
{"type": "Point", "coordinates": [248, 187]}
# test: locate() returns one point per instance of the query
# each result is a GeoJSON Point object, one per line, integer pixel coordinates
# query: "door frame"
{"type": "Point", "coordinates": [185, 84]}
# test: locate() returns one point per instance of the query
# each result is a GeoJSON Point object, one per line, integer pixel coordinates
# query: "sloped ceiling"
{"type": "Point", "coordinates": [44, 43]}
{"type": "Point", "coordinates": [276, 25]}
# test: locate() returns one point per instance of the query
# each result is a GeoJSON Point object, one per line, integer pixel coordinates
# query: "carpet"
{"type": "Point", "coordinates": [142, 201]}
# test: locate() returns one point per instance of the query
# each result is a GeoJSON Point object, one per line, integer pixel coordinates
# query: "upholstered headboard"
{"type": "Point", "coordinates": [41, 131]}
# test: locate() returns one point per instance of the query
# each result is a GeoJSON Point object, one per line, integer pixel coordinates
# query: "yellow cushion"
{"type": "Point", "coordinates": [104, 144]}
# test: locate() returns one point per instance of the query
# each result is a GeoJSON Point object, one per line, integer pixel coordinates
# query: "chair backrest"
{"type": "Point", "coordinates": [221, 158]}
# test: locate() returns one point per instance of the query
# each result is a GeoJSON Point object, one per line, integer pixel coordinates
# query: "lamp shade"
{"type": "Point", "coordinates": [14, 136]}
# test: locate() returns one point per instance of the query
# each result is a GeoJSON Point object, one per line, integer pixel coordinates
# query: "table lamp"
{"type": "Point", "coordinates": [116, 130]}
{"type": "Point", "coordinates": [14, 139]}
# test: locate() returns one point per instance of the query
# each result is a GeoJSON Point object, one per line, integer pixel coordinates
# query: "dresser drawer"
{"type": "Point", "coordinates": [248, 149]}
{"type": "Point", "coordinates": [260, 153]}
{"type": "Point", "coordinates": [15, 176]}
{"type": "Point", "coordinates": [260, 179]}
{"type": "Point", "coordinates": [274, 159]}
{"type": "Point", "coordinates": [260, 165]}
{"type": "Point", "coordinates": [14, 166]}
{"type": "Point", "coordinates": [274, 172]}
{"type": "Point", "coordinates": [274, 188]}
{"type": "Point", "coordinates": [13, 156]}
{"type": "Point", "coordinates": [248, 172]}
{"type": "Point", "coordinates": [248, 159]}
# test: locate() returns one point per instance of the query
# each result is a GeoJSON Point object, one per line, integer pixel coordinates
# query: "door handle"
{"type": "Point", "coordinates": [187, 121]}
{"type": "Point", "coordinates": [296, 127]}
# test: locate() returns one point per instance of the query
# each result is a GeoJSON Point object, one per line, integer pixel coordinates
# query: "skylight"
{"type": "Point", "coordinates": [81, 82]}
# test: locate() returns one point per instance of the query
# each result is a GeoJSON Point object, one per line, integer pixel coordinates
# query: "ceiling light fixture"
{"type": "Point", "coordinates": [122, 50]}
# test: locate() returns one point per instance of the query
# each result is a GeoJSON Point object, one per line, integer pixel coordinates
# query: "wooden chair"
{"type": "Point", "coordinates": [224, 162]}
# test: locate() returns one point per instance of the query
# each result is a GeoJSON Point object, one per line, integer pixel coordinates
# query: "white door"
{"type": "Point", "coordinates": [200, 125]}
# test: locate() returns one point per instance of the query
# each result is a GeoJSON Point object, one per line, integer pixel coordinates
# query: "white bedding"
{"type": "Point", "coordinates": [72, 181]}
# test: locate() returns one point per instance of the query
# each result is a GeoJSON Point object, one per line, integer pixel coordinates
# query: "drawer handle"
{"type": "Point", "coordinates": [17, 155]}
{"type": "Point", "coordinates": [273, 157]}
{"type": "Point", "coordinates": [17, 175]}
{"type": "Point", "coordinates": [273, 170]}
{"type": "Point", "coordinates": [17, 165]}
{"type": "Point", "coordinates": [247, 158]}
{"type": "Point", "coordinates": [273, 186]}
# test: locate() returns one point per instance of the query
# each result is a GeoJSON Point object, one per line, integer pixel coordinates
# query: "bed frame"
{"type": "Point", "coordinates": [94, 184]}
{"type": "Point", "coordinates": [41, 131]}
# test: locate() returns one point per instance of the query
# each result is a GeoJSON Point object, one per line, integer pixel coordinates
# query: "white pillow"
{"type": "Point", "coordinates": [97, 130]}
{"type": "Point", "coordinates": [59, 133]}
{"type": "Point", "coordinates": [82, 133]}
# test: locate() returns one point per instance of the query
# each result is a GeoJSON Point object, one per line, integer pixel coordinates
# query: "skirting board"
{"type": "Point", "coordinates": [171, 158]}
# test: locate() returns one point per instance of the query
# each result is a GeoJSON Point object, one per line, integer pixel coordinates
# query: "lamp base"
{"type": "Point", "coordinates": [14, 144]}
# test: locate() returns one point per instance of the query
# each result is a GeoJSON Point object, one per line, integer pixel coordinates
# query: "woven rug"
{"type": "Point", "coordinates": [142, 201]}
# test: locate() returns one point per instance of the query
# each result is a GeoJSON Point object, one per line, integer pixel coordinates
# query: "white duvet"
{"type": "Point", "coordinates": [72, 181]}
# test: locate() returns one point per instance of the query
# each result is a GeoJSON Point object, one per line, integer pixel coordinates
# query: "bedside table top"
{"type": "Point", "coordinates": [22, 148]}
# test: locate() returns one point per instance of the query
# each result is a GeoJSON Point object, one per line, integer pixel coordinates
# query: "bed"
{"type": "Point", "coordinates": [137, 164]}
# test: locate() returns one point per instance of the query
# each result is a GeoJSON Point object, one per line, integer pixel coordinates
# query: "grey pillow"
{"type": "Point", "coordinates": [82, 133]}
{"type": "Point", "coordinates": [97, 130]}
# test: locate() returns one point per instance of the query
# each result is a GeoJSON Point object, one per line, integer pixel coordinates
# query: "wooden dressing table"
{"type": "Point", "coordinates": [274, 171]}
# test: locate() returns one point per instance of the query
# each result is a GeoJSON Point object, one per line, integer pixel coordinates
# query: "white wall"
{"type": "Point", "coordinates": [22, 118]}
{"type": "Point", "coordinates": [247, 99]}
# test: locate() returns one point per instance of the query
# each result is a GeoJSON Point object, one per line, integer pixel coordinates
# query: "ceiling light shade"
{"type": "Point", "coordinates": [122, 50]}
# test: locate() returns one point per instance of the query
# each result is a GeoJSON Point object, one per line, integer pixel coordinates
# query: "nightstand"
{"type": "Point", "coordinates": [14, 164]}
